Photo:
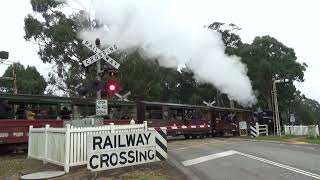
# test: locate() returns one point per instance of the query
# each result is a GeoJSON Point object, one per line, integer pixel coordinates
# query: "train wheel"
{"type": "Point", "coordinates": [235, 133]}
{"type": "Point", "coordinates": [201, 136]}
{"type": "Point", "coordinates": [186, 136]}
{"type": "Point", "coordinates": [194, 136]}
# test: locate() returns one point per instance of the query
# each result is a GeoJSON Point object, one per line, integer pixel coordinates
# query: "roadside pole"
{"type": "Point", "coordinates": [98, 69]}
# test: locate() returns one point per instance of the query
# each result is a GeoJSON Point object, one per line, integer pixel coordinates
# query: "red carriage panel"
{"type": "Point", "coordinates": [17, 131]}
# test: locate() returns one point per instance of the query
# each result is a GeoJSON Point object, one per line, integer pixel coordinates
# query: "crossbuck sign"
{"type": "Point", "coordinates": [100, 54]}
{"type": "Point", "coordinates": [113, 150]}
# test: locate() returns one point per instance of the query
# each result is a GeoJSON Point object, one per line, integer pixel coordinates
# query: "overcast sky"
{"type": "Point", "coordinates": [293, 22]}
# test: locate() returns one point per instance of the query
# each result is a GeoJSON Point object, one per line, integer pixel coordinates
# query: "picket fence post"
{"type": "Point", "coordinates": [67, 149]}
{"type": "Point", "coordinates": [285, 129]}
{"type": "Point", "coordinates": [112, 127]}
{"type": "Point", "coordinates": [47, 126]}
{"type": "Point", "coordinates": [317, 130]}
{"type": "Point", "coordinates": [145, 125]}
{"type": "Point", "coordinates": [267, 130]}
{"type": "Point", "coordinates": [29, 142]}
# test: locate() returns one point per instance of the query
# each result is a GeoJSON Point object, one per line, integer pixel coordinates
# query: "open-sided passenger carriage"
{"type": "Point", "coordinates": [14, 127]}
{"type": "Point", "coordinates": [177, 119]}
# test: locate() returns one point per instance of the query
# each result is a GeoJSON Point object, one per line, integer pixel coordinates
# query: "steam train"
{"type": "Point", "coordinates": [179, 119]}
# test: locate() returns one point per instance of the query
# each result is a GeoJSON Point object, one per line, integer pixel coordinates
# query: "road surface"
{"type": "Point", "coordinates": [235, 158]}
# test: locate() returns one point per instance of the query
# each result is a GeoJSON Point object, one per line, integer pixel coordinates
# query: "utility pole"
{"type": "Point", "coordinates": [14, 75]}
{"type": "Point", "coordinates": [98, 69]}
{"type": "Point", "coordinates": [273, 112]}
{"type": "Point", "coordinates": [276, 107]}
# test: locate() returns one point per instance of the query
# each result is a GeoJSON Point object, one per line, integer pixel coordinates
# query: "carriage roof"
{"type": "Point", "coordinates": [54, 100]}
{"type": "Point", "coordinates": [193, 106]}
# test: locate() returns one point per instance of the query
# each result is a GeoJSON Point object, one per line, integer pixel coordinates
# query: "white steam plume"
{"type": "Point", "coordinates": [165, 32]}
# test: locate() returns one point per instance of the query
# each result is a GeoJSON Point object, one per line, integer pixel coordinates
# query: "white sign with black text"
{"type": "Point", "coordinates": [102, 107]}
{"type": "Point", "coordinates": [113, 150]}
{"type": "Point", "coordinates": [242, 125]}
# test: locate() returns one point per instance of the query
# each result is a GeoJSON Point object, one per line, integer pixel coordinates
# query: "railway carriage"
{"type": "Point", "coordinates": [14, 129]}
{"type": "Point", "coordinates": [178, 119]}
{"type": "Point", "coordinates": [226, 120]}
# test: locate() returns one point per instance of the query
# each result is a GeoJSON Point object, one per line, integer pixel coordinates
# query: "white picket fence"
{"type": "Point", "coordinates": [84, 122]}
{"type": "Point", "coordinates": [67, 146]}
{"type": "Point", "coordinates": [301, 130]}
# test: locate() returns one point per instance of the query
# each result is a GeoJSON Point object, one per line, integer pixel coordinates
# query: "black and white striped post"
{"type": "Point", "coordinates": [254, 131]}
{"type": "Point", "coordinates": [161, 143]}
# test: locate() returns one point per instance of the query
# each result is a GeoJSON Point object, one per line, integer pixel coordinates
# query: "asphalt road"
{"type": "Point", "coordinates": [234, 158]}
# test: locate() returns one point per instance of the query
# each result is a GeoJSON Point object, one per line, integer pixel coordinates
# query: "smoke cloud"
{"type": "Point", "coordinates": [170, 33]}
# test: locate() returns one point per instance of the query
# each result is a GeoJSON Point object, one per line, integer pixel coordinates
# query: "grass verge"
{"type": "Point", "coordinates": [9, 167]}
{"type": "Point", "coordinates": [289, 139]}
{"type": "Point", "coordinates": [275, 138]}
{"type": "Point", "coordinates": [139, 175]}
{"type": "Point", "coordinates": [312, 141]}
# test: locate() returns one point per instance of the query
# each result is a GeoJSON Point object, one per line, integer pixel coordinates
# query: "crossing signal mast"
{"type": "Point", "coordinates": [110, 84]}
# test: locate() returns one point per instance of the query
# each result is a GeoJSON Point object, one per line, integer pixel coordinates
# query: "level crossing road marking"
{"type": "Point", "coordinates": [232, 152]}
{"type": "Point", "coordinates": [207, 158]}
{"type": "Point", "coordinates": [198, 145]}
{"type": "Point", "coordinates": [316, 176]}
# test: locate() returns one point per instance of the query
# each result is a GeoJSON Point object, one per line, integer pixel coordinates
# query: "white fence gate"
{"type": "Point", "coordinates": [67, 146]}
{"type": "Point", "coordinates": [301, 130]}
{"type": "Point", "coordinates": [258, 129]}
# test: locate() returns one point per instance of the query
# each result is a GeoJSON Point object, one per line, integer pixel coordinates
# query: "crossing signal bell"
{"type": "Point", "coordinates": [112, 87]}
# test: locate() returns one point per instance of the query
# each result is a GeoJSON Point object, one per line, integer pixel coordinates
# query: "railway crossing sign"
{"type": "Point", "coordinates": [100, 54]}
{"type": "Point", "coordinates": [123, 97]}
{"type": "Point", "coordinates": [114, 150]}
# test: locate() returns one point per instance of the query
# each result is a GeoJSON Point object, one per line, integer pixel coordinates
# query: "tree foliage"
{"type": "Point", "coordinates": [148, 81]}
{"type": "Point", "coordinates": [29, 80]}
{"type": "Point", "coordinates": [306, 111]}
{"type": "Point", "coordinates": [267, 59]}
{"type": "Point", "coordinates": [228, 35]}
{"type": "Point", "coordinates": [57, 37]}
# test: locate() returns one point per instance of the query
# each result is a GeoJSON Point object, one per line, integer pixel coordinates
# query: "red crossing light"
{"type": "Point", "coordinates": [112, 87]}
